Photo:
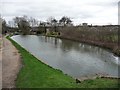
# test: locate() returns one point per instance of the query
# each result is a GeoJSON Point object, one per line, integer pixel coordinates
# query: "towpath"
{"type": "Point", "coordinates": [11, 64]}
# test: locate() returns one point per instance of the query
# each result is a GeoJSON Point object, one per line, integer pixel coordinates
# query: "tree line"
{"type": "Point", "coordinates": [25, 23]}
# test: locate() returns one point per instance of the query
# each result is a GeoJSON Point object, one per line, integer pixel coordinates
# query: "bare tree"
{"type": "Point", "coordinates": [4, 27]}
{"type": "Point", "coordinates": [42, 26]}
{"type": "Point", "coordinates": [53, 22]}
{"type": "Point", "coordinates": [22, 24]}
{"type": "Point", "coordinates": [33, 22]}
{"type": "Point", "coordinates": [65, 21]}
{"type": "Point", "coordinates": [11, 24]}
{"type": "Point", "coordinates": [1, 24]}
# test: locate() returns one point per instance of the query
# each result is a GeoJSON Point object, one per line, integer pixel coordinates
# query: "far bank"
{"type": "Point", "coordinates": [103, 36]}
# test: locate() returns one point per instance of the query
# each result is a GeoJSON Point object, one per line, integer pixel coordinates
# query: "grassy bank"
{"type": "Point", "coordinates": [35, 74]}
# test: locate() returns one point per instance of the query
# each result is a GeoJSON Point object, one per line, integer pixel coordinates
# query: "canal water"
{"type": "Point", "coordinates": [73, 58]}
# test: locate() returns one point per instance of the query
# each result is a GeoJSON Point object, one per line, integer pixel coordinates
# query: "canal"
{"type": "Point", "coordinates": [73, 58]}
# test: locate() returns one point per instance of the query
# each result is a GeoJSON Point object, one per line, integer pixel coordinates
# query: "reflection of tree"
{"type": "Point", "coordinates": [45, 39]}
{"type": "Point", "coordinates": [66, 45]}
{"type": "Point", "coordinates": [84, 48]}
{"type": "Point", "coordinates": [50, 40]}
{"type": "Point", "coordinates": [55, 41]}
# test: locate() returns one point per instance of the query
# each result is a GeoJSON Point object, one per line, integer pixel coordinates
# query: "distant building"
{"type": "Point", "coordinates": [85, 24]}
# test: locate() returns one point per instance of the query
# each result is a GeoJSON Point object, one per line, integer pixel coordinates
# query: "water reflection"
{"type": "Point", "coordinates": [73, 58]}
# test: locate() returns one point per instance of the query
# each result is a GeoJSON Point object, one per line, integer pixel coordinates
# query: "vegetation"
{"type": "Point", "coordinates": [35, 74]}
{"type": "Point", "coordinates": [22, 24]}
{"type": "Point", "coordinates": [65, 21]}
{"type": "Point", "coordinates": [4, 27]}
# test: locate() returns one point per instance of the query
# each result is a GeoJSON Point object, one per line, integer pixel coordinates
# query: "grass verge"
{"type": "Point", "coordinates": [35, 74]}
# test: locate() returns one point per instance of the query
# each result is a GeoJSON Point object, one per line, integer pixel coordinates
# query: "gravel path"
{"type": "Point", "coordinates": [11, 64]}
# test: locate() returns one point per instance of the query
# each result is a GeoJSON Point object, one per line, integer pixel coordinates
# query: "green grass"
{"type": "Point", "coordinates": [35, 74]}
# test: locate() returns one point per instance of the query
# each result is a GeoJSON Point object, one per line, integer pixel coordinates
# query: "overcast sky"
{"type": "Point", "coordinates": [97, 12]}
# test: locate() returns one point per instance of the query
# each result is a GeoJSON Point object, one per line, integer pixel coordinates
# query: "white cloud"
{"type": "Point", "coordinates": [91, 11]}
